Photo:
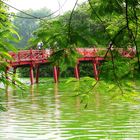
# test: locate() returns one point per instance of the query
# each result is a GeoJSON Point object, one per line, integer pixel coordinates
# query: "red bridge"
{"type": "Point", "coordinates": [34, 58]}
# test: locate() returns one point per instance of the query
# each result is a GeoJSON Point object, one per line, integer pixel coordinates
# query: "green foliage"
{"type": "Point", "coordinates": [7, 34]}
{"type": "Point", "coordinates": [95, 23]}
{"type": "Point", "coordinates": [82, 88]}
{"type": "Point", "coordinates": [63, 36]}
{"type": "Point", "coordinates": [121, 68]}
{"type": "Point", "coordinates": [119, 18]}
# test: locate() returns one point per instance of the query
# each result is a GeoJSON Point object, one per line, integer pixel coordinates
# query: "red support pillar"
{"type": "Point", "coordinates": [76, 71]}
{"type": "Point", "coordinates": [37, 74]}
{"type": "Point", "coordinates": [55, 73]}
{"type": "Point", "coordinates": [31, 74]}
{"type": "Point", "coordinates": [14, 74]}
{"type": "Point", "coordinates": [96, 73]}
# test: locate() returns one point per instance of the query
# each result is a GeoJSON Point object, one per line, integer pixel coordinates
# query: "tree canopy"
{"type": "Point", "coordinates": [7, 33]}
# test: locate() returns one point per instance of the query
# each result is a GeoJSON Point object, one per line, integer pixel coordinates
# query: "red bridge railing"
{"type": "Point", "coordinates": [42, 55]}
{"type": "Point", "coordinates": [27, 55]}
{"type": "Point", "coordinates": [95, 52]}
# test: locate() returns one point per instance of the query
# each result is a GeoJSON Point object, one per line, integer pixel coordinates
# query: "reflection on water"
{"type": "Point", "coordinates": [45, 113]}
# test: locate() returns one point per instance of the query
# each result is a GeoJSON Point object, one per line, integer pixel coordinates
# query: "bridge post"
{"type": "Point", "coordinates": [76, 71]}
{"type": "Point", "coordinates": [96, 73]}
{"type": "Point", "coordinates": [37, 74]}
{"type": "Point", "coordinates": [14, 74]}
{"type": "Point", "coordinates": [56, 73]}
{"type": "Point", "coordinates": [31, 74]}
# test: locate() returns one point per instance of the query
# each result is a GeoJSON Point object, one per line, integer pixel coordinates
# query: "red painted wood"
{"type": "Point", "coordinates": [43, 54]}
{"type": "Point", "coordinates": [31, 75]}
{"type": "Point", "coordinates": [76, 71]}
{"type": "Point", "coordinates": [31, 54]}
{"type": "Point", "coordinates": [19, 57]}
{"type": "Point", "coordinates": [95, 71]}
{"type": "Point", "coordinates": [28, 57]}
{"type": "Point", "coordinates": [55, 72]}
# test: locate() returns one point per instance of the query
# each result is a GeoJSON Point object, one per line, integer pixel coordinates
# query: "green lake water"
{"type": "Point", "coordinates": [48, 112]}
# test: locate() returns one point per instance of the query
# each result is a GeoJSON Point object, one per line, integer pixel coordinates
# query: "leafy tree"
{"type": "Point", "coordinates": [26, 25]}
{"type": "Point", "coordinates": [6, 35]}
{"type": "Point", "coordinates": [120, 20]}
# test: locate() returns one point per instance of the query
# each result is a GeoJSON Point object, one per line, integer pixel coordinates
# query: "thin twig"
{"type": "Point", "coordinates": [70, 21]}
{"type": "Point", "coordinates": [114, 73]}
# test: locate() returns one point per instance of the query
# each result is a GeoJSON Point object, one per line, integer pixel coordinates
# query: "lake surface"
{"type": "Point", "coordinates": [48, 112]}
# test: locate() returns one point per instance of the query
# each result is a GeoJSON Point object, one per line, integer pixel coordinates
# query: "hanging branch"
{"type": "Point", "coordinates": [130, 32]}
{"type": "Point", "coordinates": [114, 73]}
{"type": "Point", "coordinates": [112, 40]}
{"type": "Point", "coordinates": [118, 33]}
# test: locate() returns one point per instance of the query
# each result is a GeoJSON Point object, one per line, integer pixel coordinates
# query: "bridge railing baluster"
{"type": "Point", "coordinates": [43, 54]}
{"type": "Point", "coordinates": [31, 55]}
{"type": "Point", "coordinates": [18, 56]}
